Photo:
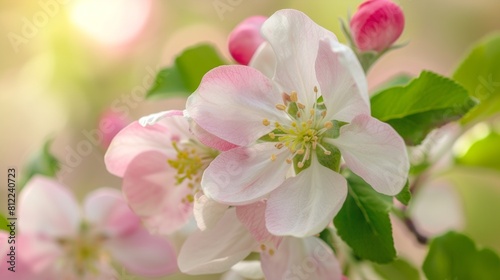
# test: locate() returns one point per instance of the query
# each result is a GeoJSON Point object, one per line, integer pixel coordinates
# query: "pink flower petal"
{"type": "Point", "coordinates": [245, 39]}
{"type": "Point", "coordinates": [136, 139]}
{"type": "Point", "coordinates": [307, 259]}
{"type": "Point", "coordinates": [231, 103]}
{"type": "Point", "coordinates": [207, 212]}
{"type": "Point", "coordinates": [374, 151]}
{"type": "Point", "coordinates": [106, 210]}
{"type": "Point", "coordinates": [264, 60]}
{"type": "Point", "coordinates": [253, 218]}
{"type": "Point", "coordinates": [46, 208]}
{"type": "Point", "coordinates": [342, 81]}
{"type": "Point", "coordinates": [305, 204]}
{"type": "Point", "coordinates": [294, 38]}
{"type": "Point", "coordinates": [150, 189]}
{"type": "Point", "coordinates": [216, 250]}
{"type": "Point", "coordinates": [143, 254]}
{"type": "Point", "coordinates": [209, 139]}
{"type": "Point", "coordinates": [245, 175]}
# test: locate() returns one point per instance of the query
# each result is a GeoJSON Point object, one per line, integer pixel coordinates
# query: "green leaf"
{"type": "Point", "coordinates": [184, 76]}
{"type": "Point", "coordinates": [3, 223]}
{"type": "Point", "coordinates": [363, 222]}
{"type": "Point", "coordinates": [428, 102]}
{"type": "Point", "coordinates": [404, 196]}
{"type": "Point", "coordinates": [398, 269]}
{"type": "Point", "coordinates": [43, 163]}
{"type": "Point", "coordinates": [327, 236]}
{"type": "Point", "coordinates": [483, 153]}
{"type": "Point", "coordinates": [454, 256]}
{"type": "Point", "coordinates": [479, 73]}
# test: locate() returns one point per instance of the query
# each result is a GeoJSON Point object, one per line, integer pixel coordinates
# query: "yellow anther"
{"type": "Point", "coordinates": [281, 107]}
{"type": "Point", "coordinates": [294, 97]}
{"type": "Point", "coordinates": [300, 164]}
{"type": "Point", "coordinates": [300, 105]}
{"type": "Point", "coordinates": [327, 153]}
{"type": "Point", "coordinates": [289, 161]}
{"type": "Point", "coordinates": [190, 198]}
{"type": "Point", "coordinates": [266, 122]}
{"type": "Point", "coordinates": [323, 114]}
{"type": "Point", "coordinates": [328, 125]}
{"type": "Point", "coordinates": [300, 151]}
{"type": "Point", "coordinates": [263, 247]}
{"type": "Point", "coordinates": [279, 145]}
{"type": "Point", "coordinates": [315, 89]}
{"type": "Point", "coordinates": [271, 135]}
{"type": "Point", "coordinates": [294, 124]}
{"type": "Point", "coordinates": [273, 157]}
{"type": "Point", "coordinates": [313, 112]}
{"type": "Point", "coordinates": [298, 114]}
{"type": "Point", "coordinates": [271, 252]}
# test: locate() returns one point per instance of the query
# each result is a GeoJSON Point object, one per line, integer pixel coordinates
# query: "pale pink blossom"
{"type": "Point", "coordinates": [245, 39]}
{"type": "Point", "coordinates": [291, 122]}
{"type": "Point", "coordinates": [60, 240]}
{"type": "Point", "coordinates": [241, 231]}
{"type": "Point", "coordinates": [376, 25]}
{"type": "Point", "coordinates": [161, 164]}
{"type": "Point", "coordinates": [110, 124]}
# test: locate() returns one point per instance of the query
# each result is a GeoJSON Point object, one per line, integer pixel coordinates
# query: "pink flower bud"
{"type": "Point", "coordinates": [377, 25]}
{"type": "Point", "coordinates": [245, 39]}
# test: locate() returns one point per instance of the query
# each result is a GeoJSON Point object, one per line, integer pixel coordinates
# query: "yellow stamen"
{"type": "Point", "coordinates": [266, 122]}
{"type": "Point", "coordinates": [281, 107]}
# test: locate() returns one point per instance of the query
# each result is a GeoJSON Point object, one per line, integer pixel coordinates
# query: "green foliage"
{"type": "Point", "coordinates": [398, 269]}
{"type": "Point", "coordinates": [428, 102]}
{"type": "Point", "coordinates": [43, 163]}
{"type": "Point", "coordinates": [399, 80]}
{"type": "Point", "coordinates": [363, 222]}
{"type": "Point", "coordinates": [479, 73]}
{"type": "Point", "coordinates": [483, 153]}
{"type": "Point", "coordinates": [455, 256]}
{"type": "Point", "coordinates": [3, 223]}
{"type": "Point", "coordinates": [404, 196]}
{"type": "Point", "coordinates": [184, 76]}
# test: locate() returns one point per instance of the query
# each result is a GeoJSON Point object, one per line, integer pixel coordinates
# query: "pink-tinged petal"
{"type": "Point", "coordinates": [295, 38]}
{"type": "Point", "coordinates": [207, 212]}
{"type": "Point", "coordinates": [47, 208]}
{"type": "Point", "coordinates": [136, 139]}
{"type": "Point", "coordinates": [209, 139]}
{"type": "Point", "coordinates": [38, 254]}
{"type": "Point", "coordinates": [143, 254]}
{"type": "Point", "coordinates": [108, 212]}
{"type": "Point", "coordinates": [110, 124]}
{"type": "Point", "coordinates": [216, 250]}
{"type": "Point", "coordinates": [28, 260]}
{"type": "Point", "coordinates": [231, 103]}
{"type": "Point", "coordinates": [342, 81]}
{"type": "Point", "coordinates": [150, 189]}
{"type": "Point", "coordinates": [264, 60]}
{"type": "Point", "coordinates": [253, 218]}
{"type": "Point", "coordinates": [307, 259]}
{"type": "Point", "coordinates": [245, 175]}
{"type": "Point", "coordinates": [374, 151]}
{"type": "Point", "coordinates": [245, 39]}
{"type": "Point", "coordinates": [305, 204]}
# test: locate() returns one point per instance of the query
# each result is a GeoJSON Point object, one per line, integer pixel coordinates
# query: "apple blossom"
{"type": "Point", "coordinates": [62, 241]}
{"type": "Point", "coordinates": [245, 39]}
{"type": "Point", "coordinates": [292, 127]}
{"type": "Point", "coordinates": [240, 231]}
{"type": "Point", "coordinates": [110, 124]}
{"type": "Point", "coordinates": [377, 25]}
{"type": "Point", "coordinates": [161, 164]}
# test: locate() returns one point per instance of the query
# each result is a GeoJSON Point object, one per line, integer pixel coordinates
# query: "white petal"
{"type": "Point", "coordinates": [249, 269]}
{"type": "Point", "coordinates": [305, 259]}
{"type": "Point", "coordinates": [264, 60]}
{"type": "Point", "coordinates": [216, 250]}
{"type": "Point", "coordinates": [246, 174]}
{"type": "Point", "coordinates": [207, 212]}
{"type": "Point", "coordinates": [342, 81]}
{"type": "Point", "coordinates": [305, 204]}
{"type": "Point", "coordinates": [154, 118]}
{"type": "Point", "coordinates": [375, 152]}
{"type": "Point", "coordinates": [294, 38]}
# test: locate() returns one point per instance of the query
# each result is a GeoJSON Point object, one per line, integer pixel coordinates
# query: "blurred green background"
{"type": "Point", "coordinates": [64, 63]}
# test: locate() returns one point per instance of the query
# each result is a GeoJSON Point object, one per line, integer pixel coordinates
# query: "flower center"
{"type": "Point", "coordinates": [303, 134]}
{"type": "Point", "coordinates": [84, 253]}
{"type": "Point", "coordinates": [191, 160]}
